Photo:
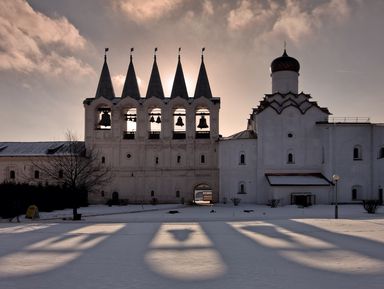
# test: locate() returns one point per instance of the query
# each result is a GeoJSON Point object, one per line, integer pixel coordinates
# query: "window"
{"type": "Point", "coordinates": [242, 188]}
{"type": "Point", "coordinates": [381, 153]}
{"type": "Point", "coordinates": [61, 174]}
{"type": "Point", "coordinates": [242, 159]}
{"type": "Point", "coordinates": [290, 159]}
{"type": "Point", "coordinates": [152, 193]}
{"type": "Point", "coordinates": [12, 175]}
{"type": "Point", "coordinates": [37, 174]}
{"type": "Point", "coordinates": [177, 194]}
{"type": "Point", "coordinates": [156, 160]}
{"type": "Point", "coordinates": [103, 160]}
{"type": "Point", "coordinates": [178, 159]}
{"type": "Point", "coordinates": [357, 152]}
{"type": "Point", "coordinates": [290, 135]}
{"type": "Point", "coordinates": [202, 159]}
{"type": "Point", "coordinates": [356, 192]}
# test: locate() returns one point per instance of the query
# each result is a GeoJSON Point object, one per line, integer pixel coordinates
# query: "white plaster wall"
{"type": "Point", "coordinates": [285, 81]}
{"type": "Point", "coordinates": [232, 172]}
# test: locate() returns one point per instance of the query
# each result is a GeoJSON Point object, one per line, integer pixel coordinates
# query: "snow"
{"type": "Point", "coordinates": [218, 246]}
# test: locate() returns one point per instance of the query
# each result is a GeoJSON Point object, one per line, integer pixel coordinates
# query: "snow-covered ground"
{"type": "Point", "coordinates": [199, 247]}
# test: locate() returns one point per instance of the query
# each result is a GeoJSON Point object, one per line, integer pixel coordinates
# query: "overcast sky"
{"type": "Point", "coordinates": [51, 55]}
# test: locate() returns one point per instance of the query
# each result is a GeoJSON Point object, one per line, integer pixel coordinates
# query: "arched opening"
{"type": "Point", "coordinates": [154, 121]}
{"type": "Point", "coordinates": [131, 123]}
{"type": "Point", "coordinates": [202, 194]}
{"type": "Point", "coordinates": [356, 193]}
{"type": "Point", "coordinates": [242, 158]}
{"type": "Point", "coordinates": [179, 123]}
{"type": "Point", "coordinates": [203, 122]}
{"type": "Point", "coordinates": [104, 118]}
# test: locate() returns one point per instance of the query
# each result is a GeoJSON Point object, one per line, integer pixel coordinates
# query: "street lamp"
{"type": "Point", "coordinates": [335, 179]}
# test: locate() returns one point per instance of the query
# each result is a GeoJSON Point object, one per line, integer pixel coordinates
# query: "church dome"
{"type": "Point", "coordinates": [285, 63]}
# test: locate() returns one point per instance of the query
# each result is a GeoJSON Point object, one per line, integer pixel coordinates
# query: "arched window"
{"type": "Point", "coordinates": [356, 193]}
{"type": "Point", "coordinates": [202, 123]}
{"type": "Point", "coordinates": [131, 123]}
{"type": "Point", "coordinates": [178, 159]}
{"type": "Point", "coordinates": [242, 158]}
{"type": "Point", "coordinates": [290, 159]}
{"type": "Point", "coordinates": [357, 152]}
{"type": "Point", "coordinates": [179, 123]}
{"type": "Point", "coordinates": [103, 160]}
{"type": "Point", "coordinates": [12, 175]}
{"type": "Point", "coordinates": [202, 159]}
{"type": "Point", "coordinates": [242, 188]}
{"type": "Point", "coordinates": [61, 174]}
{"type": "Point", "coordinates": [104, 118]}
{"type": "Point", "coordinates": [152, 193]}
{"type": "Point", "coordinates": [156, 160]}
{"type": "Point", "coordinates": [154, 122]}
{"type": "Point", "coordinates": [177, 194]}
{"type": "Point", "coordinates": [37, 174]}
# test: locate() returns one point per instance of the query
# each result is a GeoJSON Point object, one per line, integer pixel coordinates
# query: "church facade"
{"type": "Point", "coordinates": [168, 149]}
{"type": "Point", "coordinates": [293, 152]}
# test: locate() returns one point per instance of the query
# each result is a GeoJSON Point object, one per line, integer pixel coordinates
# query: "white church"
{"type": "Point", "coordinates": [168, 148]}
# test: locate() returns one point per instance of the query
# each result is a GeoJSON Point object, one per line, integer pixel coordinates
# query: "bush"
{"type": "Point", "coordinates": [371, 205]}
{"type": "Point", "coordinates": [16, 198]}
{"type": "Point", "coordinates": [236, 201]}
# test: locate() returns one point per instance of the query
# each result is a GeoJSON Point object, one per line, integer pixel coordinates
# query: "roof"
{"type": "Point", "coordinates": [245, 134]}
{"type": "Point", "coordinates": [280, 101]}
{"type": "Point", "coordinates": [285, 63]}
{"type": "Point", "coordinates": [131, 88]}
{"type": "Point", "coordinates": [105, 87]}
{"type": "Point", "coordinates": [297, 179]}
{"type": "Point", "coordinates": [202, 86]}
{"type": "Point", "coordinates": [16, 149]}
{"type": "Point", "coordinates": [179, 88]}
{"type": "Point", "coordinates": [155, 88]}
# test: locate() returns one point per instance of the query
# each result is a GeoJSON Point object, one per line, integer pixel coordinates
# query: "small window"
{"type": "Point", "coordinates": [242, 188]}
{"type": "Point", "coordinates": [129, 156]}
{"type": "Point", "coordinates": [242, 159]}
{"type": "Point", "coordinates": [357, 154]}
{"type": "Point", "coordinates": [61, 174]}
{"type": "Point", "coordinates": [156, 160]}
{"type": "Point", "coordinates": [103, 160]}
{"type": "Point", "coordinates": [202, 159]}
{"type": "Point", "coordinates": [354, 194]}
{"type": "Point", "coordinates": [12, 175]}
{"type": "Point", "coordinates": [381, 153]}
{"type": "Point", "coordinates": [290, 135]}
{"type": "Point", "coordinates": [152, 193]}
{"type": "Point", "coordinates": [177, 194]}
{"type": "Point", "coordinates": [178, 159]}
{"type": "Point", "coordinates": [37, 174]}
{"type": "Point", "coordinates": [290, 158]}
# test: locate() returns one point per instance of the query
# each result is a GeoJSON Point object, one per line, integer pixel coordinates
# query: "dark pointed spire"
{"type": "Point", "coordinates": [202, 85]}
{"type": "Point", "coordinates": [105, 87]}
{"type": "Point", "coordinates": [179, 88]}
{"type": "Point", "coordinates": [131, 88]}
{"type": "Point", "coordinates": [155, 87]}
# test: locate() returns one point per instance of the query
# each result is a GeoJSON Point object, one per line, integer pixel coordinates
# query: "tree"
{"type": "Point", "coordinates": [74, 166]}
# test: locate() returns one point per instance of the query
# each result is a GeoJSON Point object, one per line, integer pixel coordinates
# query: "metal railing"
{"type": "Point", "coordinates": [349, 119]}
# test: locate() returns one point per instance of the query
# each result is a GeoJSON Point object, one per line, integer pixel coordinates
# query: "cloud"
{"type": "Point", "coordinates": [146, 10]}
{"type": "Point", "coordinates": [32, 42]}
{"type": "Point", "coordinates": [293, 19]}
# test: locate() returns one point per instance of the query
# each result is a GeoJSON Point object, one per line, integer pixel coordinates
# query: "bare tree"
{"type": "Point", "coordinates": [74, 166]}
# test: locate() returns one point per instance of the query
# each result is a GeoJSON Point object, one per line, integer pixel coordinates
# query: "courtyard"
{"type": "Point", "coordinates": [197, 247]}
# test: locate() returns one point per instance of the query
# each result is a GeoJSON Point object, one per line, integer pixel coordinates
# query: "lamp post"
{"type": "Point", "coordinates": [335, 179]}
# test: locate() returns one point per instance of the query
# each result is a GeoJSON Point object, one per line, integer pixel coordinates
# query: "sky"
{"type": "Point", "coordinates": [51, 55]}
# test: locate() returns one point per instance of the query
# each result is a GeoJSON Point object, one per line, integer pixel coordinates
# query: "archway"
{"type": "Point", "coordinates": [202, 194]}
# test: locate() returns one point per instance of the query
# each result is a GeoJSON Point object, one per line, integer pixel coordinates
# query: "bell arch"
{"type": "Point", "coordinates": [203, 122]}
{"type": "Point", "coordinates": [130, 127]}
{"type": "Point", "coordinates": [179, 123]}
{"type": "Point", "coordinates": [103, 117]}
{"type": "Point", "coordinates": [154, 122]}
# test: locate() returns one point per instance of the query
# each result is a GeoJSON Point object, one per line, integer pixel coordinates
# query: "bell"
{"type": "Point", "coordinates": [179, 121]}
{"type": "Point", "coordinates": [105, 119]}
{"type": "Point", "coordinates": [202, 123]}
{"type": "Point", "coordinates": [152, 119]}
{"type": "Point", "coordinates": [158, 120]}
{"type": "Point", "coordinates": [134, 119]}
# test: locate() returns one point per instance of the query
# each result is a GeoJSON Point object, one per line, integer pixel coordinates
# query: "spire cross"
{"type": "Point", "coordinates": [154, 53]}
{"type": "Point", "coordinates": [105, 53]}
{"type": "Point", "coordinates": [130, 54]}
{"type": "Point", "coordinates": [202, 53]}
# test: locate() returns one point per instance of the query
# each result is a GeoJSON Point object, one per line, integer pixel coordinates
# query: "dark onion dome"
{"type": "Point", "coordinates": [285, 63]}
